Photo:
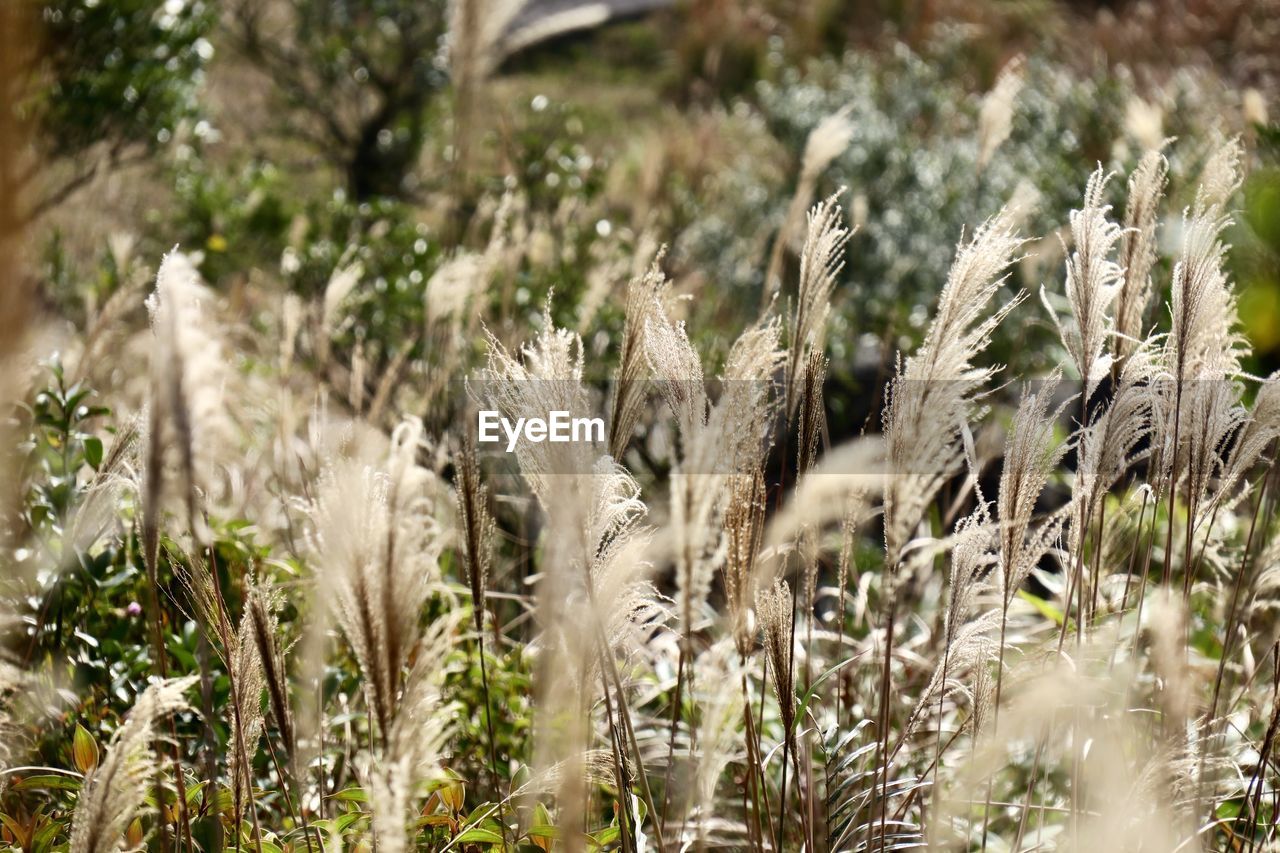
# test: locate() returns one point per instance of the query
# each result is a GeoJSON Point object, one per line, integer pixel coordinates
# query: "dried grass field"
{"type": "Point", "coordinates": [749, 425]}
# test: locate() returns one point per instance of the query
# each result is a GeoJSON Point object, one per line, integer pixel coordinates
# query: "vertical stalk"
{"type": "Point", "coordinates": [161, 664]}
{"type": "Point", "coordinates": [995, 713]}
{"type": "Point", "coordinates": [488, 718]}
{"type": "Point", "coordinates": [671, 737]}
{"type": "Point", "coordinates": [882, 745]}
{"type": "Point", "coordinates": [759, 786]}
{"type": "Point", "coordinates": [619, 771]}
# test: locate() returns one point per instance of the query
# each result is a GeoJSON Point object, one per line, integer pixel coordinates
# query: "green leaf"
{"type": "Point", "coordinates": [93, 451]}
{"type": "Point", "coordinates": [817, 682]}
{"type": "Point", "coordinates": [352, 795]}
{"type": "Point", "coordinates": [480, 812]}
{"type": "Point", "coordinates": [42, 842]}
{"type": "Point", "coordinates": [18, 831]}
{"type": "Point", "coordinates": [479, 835]}
{"type": "Point", "coordinates": [1046, 609]}
{"type": "Point", "coordinates": [49, 782]}
{"type": "Point", "coordinates": [346, 821]}
{"type": "Point", "coordinates": [606, 836]}
{"type": "Point", "coordinates": [207, 832]}
{"type": "Point", "coordinates": [84, 750]}
{"type": "Point", "coordinates": [194, 792]}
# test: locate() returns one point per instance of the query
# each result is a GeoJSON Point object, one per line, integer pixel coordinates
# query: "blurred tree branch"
{"type": "Point", "coordinates": [99, 86]}
{"type": "Point", "coordinates": [355, 76]}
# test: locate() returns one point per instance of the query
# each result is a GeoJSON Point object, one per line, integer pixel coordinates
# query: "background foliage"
{"type": "Point", "coordinates": [335, 169]}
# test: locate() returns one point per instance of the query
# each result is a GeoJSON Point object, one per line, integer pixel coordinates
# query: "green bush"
{"type": "Point", "coordinates": [238, 218]}
{"type": "Point", "coordinates": [913, 177]}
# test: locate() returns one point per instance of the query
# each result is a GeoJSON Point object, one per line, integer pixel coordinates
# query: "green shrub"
{"type": "Point", "coordinates": [913, 177]}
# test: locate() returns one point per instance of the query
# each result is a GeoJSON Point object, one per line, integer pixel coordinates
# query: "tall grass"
{"type": "Point", "coordinates": [739, 636]}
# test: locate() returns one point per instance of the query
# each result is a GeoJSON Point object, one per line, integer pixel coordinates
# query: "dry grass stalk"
{"type": "Point", "coordinates": [776, 612]}
{"type": "Point", "coordinates": [115, 793]}
{"type": "Point", "coordinates": [717, 737]}
{"type": "Point", "coordinates": [813, 414]}
{"type": "Point", "coordinates": [263, 601]}
{"type": "Point", "coordinates": [743, 417]}
{"type": "Point", "coordinates": [1106, 449]}
{"type": "Point", "coordinates": [1094, 281]}
{"type": "Point", "coordinates": [827, 141]}
{"type": "Point", "coordinates": [240, 653]}
{"type": "Point", "coordinates": [677, 367]}
{"type": "Point", "coordinates": [377, 541]}
{"type": "Point", "coordinates": [744, 531]}
{"type": "Point", "coordinates": [821, 261]}
{"type": "Point", "coordinates": [740, 419]}
{"type": "Point", "coordinates": [1030, 457]}
{"type": "Point", "coordinates": [969, 640]}
{"type": "Point", "coordinates": [186, 420]}
{"type": "Point", "coordinates": [629, 390]}
{"type": "Point", "coordinates": [934, 392]}
{"type": "Point", "coordinates": [342, 283]}
{"type": "Point", "coordinates": [1201, 352]}
{"type": "Point", "coordinates": [929, 404]}
{"type": "Point", "coordinates": [1257, 432]}
{"type": "Point", "coordinates": [478, 531]}
{"type": "Point", "coordinates": [249, 682]}
{"type": "Point", "coordinates": [188, 374]}
{"type": "Point", "coordinates": [1138, 251]}
{"type": "Point", "coordinates": [594, 563]}
{"type": "Point", "coordinates": [414, 745]}
{"type": "Point", "coordinates": [995, 117]}
{"type": "Point", "coordinates": [478, 527]}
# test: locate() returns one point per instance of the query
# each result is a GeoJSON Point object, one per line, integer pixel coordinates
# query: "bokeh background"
{"type": "Point", "coordinates": [281, 141]}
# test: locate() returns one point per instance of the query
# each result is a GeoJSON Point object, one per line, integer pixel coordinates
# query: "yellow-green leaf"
{"type": "Point", "coordinates": [84, 750]}
{"type": "Point", "coordinates": [479, 835]}
{"type": "Point", "coordinates": [1046, 609]}
{"type": "Point", "coordinates": [133, 835]}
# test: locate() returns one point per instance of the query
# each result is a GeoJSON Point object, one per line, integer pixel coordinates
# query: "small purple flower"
{"type": "Point", "coordinates": [134, 609]}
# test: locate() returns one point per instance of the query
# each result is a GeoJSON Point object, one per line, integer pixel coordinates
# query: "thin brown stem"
{"type": "Point", "coordinates": [882, 747]}
{"type": "Point", "coordinates": [678, 699]}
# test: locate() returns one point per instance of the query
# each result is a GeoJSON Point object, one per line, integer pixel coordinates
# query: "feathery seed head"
{"type": "Point", "coordinates": [1030, 457]}
{"type": "Point", "coordinates": [775, 611]}
{"type": "Point", "coordinates": [115, 792]}
{"type": "Point", "coordinates": [995, 116]}
{"type": "Point", "coordinates": [1138, 250]}
{"type": "Point", "coordinates": [821, 261]}
{"type": "Point", "coordinates": [377, 543]}
{"type": "Point", "coordinates": [933, 394]}
{"type": "Point", "coordinates": [188, 374]}
{"type": "Point", "coordinates": [1093, 282]}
